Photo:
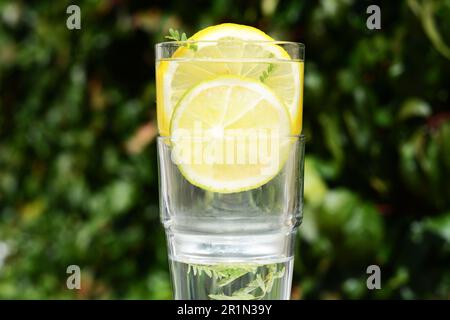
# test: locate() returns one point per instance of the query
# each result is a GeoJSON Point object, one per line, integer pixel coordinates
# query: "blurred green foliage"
{"type": "Point", "coordinates": [78, 176]}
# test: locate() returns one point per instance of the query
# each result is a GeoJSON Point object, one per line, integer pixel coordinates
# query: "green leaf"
{"type": "Point", "coordinates": [315, 187]}
{"type": "Point", "coordinates": [266, 73]}
{"type": "Point", "coordinates": [439, 225]}
{"type": "Point", "coordinates": [232, 297]}
{"type": "Point", "coordinates": [260, 282]}
{"type": "Point", "coordinates": [227, 274]}
{"type": "Point", "coordinates": [175, 35]}
{"type": "Point", "coordinates": [193, 46]}
{"type": "Point", "coordinates": [425, 10]}
{"type": "Point", "coordinates": [228, 280]}
{"type": "Point", "coordinates": [414, 107]}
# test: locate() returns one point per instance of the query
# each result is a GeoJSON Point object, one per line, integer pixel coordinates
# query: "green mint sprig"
{"type": "Point", "coordinates": [226, 274]}
{"type": "Point", "coordinates": [176, 36]}
{"type": "Point", "coordinates": [266, 73]}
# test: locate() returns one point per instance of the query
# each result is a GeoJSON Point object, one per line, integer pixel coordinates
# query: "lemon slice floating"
{"type": "Point", "coordinates": [226, 134]}
{"type": "Point", "coordinates": [231, 51]}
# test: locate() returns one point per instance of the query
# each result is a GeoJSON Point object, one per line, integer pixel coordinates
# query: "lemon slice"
{"type": "Point", "coordinates": [226, 134]}
{"type": "Point", "coordinates": [234, 50]}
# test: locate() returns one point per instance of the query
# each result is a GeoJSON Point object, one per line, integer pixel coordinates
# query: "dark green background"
{"type": "Point", "coordinates": [78, 177]}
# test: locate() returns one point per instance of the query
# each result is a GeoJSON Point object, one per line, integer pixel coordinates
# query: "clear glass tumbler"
{"type": "Point", "coordinates": [231, 246]}
{"type": "Point", "coordinates": [235, 244]}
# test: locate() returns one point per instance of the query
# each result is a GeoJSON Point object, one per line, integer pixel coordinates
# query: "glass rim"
{"type": "Point", "coordinates": [300, 137]}
{"type": "Point", "coordinates": [185, 42]}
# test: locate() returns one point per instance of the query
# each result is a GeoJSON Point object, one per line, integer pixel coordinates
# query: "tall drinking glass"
{"type": "Point", "coordinates": [230, 200]}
